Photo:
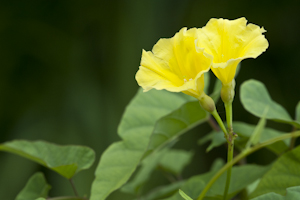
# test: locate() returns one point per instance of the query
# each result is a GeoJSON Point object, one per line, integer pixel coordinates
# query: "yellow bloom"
{"type": "Point", "coordinates": [229, 42]}
{"type": "Point", "coordinates": [175, 64]}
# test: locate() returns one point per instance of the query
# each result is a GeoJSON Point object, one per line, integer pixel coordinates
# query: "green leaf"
{"type": "Point", "coordinates": [175, 161]}
{"type": "Point", "coordinates": [176, 123]}
{"type": "Point", "coordinates": [139, 121]}
{"type": "Point", "coordinates": [270, 196]}
{"type": "Point", "coordinates": [256, 135]}
{"type": "Point", "coordinates": [162, 191]}
{"type": "Point", "coordinates": [63, 198]}
{"type": "Point", "coordinates": [217, 164]}
{"type": "Point", "coordinates": [292, 193]}
{"type": "Point", "coordinates": [298, 112]}
{"type": "Point", "coordinates": [245, 131]}
{"type": "Point", "coordinates": [186, 197]}
{"type": "Point", "coordinates": [169, 160]}
{"type": "Point", "coordinates": [283, 174]}
{"type": "Point", "coordinates": [36, 187]}
{"type": "Point", "coordinates": [216, 138]}
{"type": "Point", "coordinates": [250, 188]}
{"type": "Point", "coordinates": [255, 98]}
{"type": "Point", "coordinates": [242, 176]}
{"type": "Point", "coordinates": [148, 166]}
{"type": "Point", "coordinates": [189, 184]}
{"type": "Point", "coordinates": [66, 160]}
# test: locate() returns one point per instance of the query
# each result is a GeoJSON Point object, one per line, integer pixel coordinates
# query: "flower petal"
{"type": "Point", "coordinates": [175, 65]}
{"type": "Point", "coordinates": [148, 79]}
{"type": "Point", "coordinates": [225, 72]}
{"type": "Point", "coordinates": [155, 73]}
{"type": "Point", "coordinates": [231, 41]}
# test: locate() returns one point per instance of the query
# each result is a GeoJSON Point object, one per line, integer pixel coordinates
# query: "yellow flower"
{"type": "Point", "coordinates": [230, 42]}
{"type": "Point", "coordinates": [175, 64]}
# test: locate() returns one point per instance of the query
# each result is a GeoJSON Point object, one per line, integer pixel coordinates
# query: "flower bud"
{"type": "Point", "coordinates": [207, 103]}
{"type": "Point", "coordinates": [227, 92]}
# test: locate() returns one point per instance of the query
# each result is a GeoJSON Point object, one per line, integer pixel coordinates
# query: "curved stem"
{"type": "Point", "coordinates": [213, 124]}
{"type": "Point", "coordinates": [241, 156]}
{"type": "Point", "coordinates": [220, 122]}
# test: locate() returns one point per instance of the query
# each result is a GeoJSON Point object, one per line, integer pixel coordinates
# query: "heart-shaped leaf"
{"type": "Point", "coordinates": [65, 160]}
{"type": "Point", "coordinates": [255, 98]}
{"type": "Point", "coordinates": [140, 120]}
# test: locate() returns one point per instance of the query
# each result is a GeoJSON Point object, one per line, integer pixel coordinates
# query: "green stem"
{"type": "Point", "coordinates": [229, 159]}
{"type": "Point", "coordinates": [73, 187]}
{"type": "Point", "coordinates": [241, 156]}
{"type": "Point", "coordinates": [213, 124]}
{"type": "Point", "coordinates": [220, 122]}
{"type": "Point", "coordinates": [228, 108]}
{"type": "Point", "coordinates": [230, 141]}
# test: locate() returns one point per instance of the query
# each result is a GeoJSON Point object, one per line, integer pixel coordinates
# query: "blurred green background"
{"type": "Point", "coordinates": [67, 71]}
